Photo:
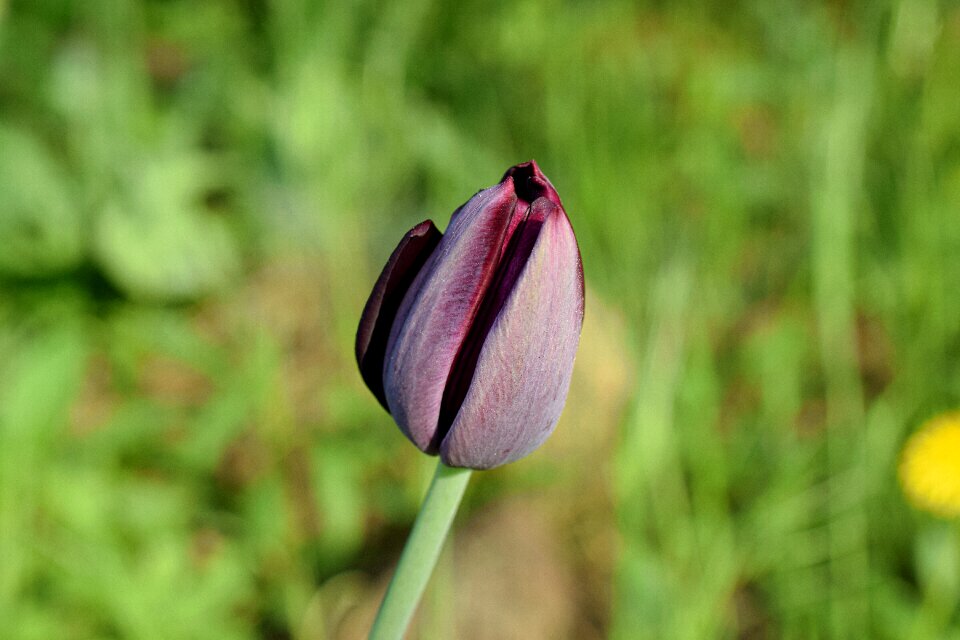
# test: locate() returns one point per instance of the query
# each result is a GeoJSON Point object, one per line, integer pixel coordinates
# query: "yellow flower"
{"type": "Point", "coordinates": [930, 466]}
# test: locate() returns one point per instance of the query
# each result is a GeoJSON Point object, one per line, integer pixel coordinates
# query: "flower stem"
{"type": "Point", "coordinates": [420, 553]}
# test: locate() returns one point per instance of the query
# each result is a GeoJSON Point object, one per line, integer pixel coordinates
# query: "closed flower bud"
{"type": "Point", "coordinates": [468, 338]}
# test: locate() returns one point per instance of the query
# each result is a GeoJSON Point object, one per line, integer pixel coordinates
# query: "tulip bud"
{"type": "Point", "coordinates": [468, 338]}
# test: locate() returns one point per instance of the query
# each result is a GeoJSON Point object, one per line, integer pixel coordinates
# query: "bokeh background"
{"type": "Point", "coordinates": [197, 195]}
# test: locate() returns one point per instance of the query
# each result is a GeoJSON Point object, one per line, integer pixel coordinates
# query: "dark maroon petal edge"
{"type": "Point", "coordinates": [381, 309]}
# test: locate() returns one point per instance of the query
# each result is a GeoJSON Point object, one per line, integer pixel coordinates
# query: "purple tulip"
{"type": "Point", "coordinates": [468, 339]}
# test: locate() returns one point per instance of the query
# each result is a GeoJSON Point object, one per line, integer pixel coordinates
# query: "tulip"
{"type": "Point", "coordinates": [468, 338]}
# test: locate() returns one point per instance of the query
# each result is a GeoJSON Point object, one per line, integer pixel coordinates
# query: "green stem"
{"type": "Point", "coordinates": [420, 553]}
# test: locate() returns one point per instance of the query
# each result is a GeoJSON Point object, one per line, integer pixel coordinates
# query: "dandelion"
{"type": "Point", "coordinates": [930, 466]}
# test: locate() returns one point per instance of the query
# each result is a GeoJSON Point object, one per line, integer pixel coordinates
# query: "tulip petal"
{"type": "Point", "coordinates": [379, 314]}
{"type": "Point", "coordinates": [513, 259]}
{"type": "Point", "coordinates": [523, 373]}
{"type": "Point", "coordinates": [439, 309]}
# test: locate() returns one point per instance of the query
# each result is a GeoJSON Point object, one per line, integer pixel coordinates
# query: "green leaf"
{"type": "Point", "coordinates": [155, 242]}
{"type": "Point", "coordinates": [39, 221]}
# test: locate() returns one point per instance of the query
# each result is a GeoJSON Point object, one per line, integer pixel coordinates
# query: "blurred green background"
{"type": "Point", "coordinates": [196, 197]}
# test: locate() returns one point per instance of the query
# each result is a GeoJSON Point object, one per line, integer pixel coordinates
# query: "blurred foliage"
{"type": "Point", "coordinates": [195, 198]}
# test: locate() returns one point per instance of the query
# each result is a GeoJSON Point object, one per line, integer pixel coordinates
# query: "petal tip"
{"type": "Point", "coordinates": [530, 183]}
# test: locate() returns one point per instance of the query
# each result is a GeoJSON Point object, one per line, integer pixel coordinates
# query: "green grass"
{"type": "Point", "coordinates": [195, 198]}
